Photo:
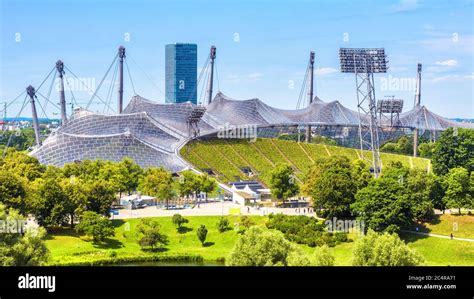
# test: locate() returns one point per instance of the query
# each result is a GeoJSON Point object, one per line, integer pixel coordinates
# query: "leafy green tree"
{"type": "Point", "coordinates": [178, 221]}
{"type": "Point", "coordinates": [22, 165]}
{"type": "Point", "coordinates": [100, 197]}
{"type": "Point", "coordinates": [189, 184]}
{"type": "Point", "coordinates": [48, 202]}
{"type": "Point", "coordinates": [202, 233]}
{"type": "Point", "coordinates": [426, 149]}
{"type": "Point", "coordinates": [386, 249]}
{"type": "Point", "coordinates": [75, 191]}
{"type": "Point", "coordinates": [458, 190]}
{"type": "Point", "coordinates": [223, 224]}
{"type": "Point", "coordinates": [21, 248]}
{"type": "Point", "coordinates": [12, 192]}
{"type": "Point", "coordinates": [208, 185]}
{"type": "Point", "coordinates": [158, 182]}
{"type": "Point", "coordinates": [282, 182]}
{"type": "Point", "coordinates": [454, 148]}
{"type": "Point", "coordinates": [21, 140]}
{"type": "Point", "coordinates": [360, 174]}
{"type": "Point", "coordinates": [331, 185]}
{"type": "Point", "coordinates": [149, 234]}
{"type": "Point", "coordinates": [96, 226]}
{"type": "Point", "coordinates": [246, 222]}
{"type": "Point", "coordinates": [259, 247]}
{"type": "Point", "coordinates": [383, 203]}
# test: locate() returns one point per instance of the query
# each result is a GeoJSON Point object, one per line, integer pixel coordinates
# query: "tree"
{"type": "Point", "coordinates": [332, 187]}
{"type": "Point", "coordinates": [48, 202]}
{"type": "Point", "coordinates": [149, 234]}
{"type": "Point", "coordinates": [96, 226]}
{"type": "Point", "coordinates": [208, 185]}
{"type": "Point", "coordinates": [158, 182]}
{"type": "Point", "coordinates": [100, 197]}
{"type": "Point", "coordinates": [202, 233]}
{"type": "Point", "coordinates": [21, 164]}
{"type": "Point", "coordinates": [426, 149]}
{"type": "Point", "coordinates": [189, 184]}
{"type": "Point", "coordinates": [258, 247]}
{"type": "Point", "coordinates": [383, 203]}
{"type": "Point", "coordinates": [12, 192]}
{"type": "Point", "coordinates": [282, 182]}
{"type": "Point", "coordinates": [454, 148]}
{"type": "Point", "coordinates": [386, 249]}
{"type": "Point", "coordinates": [458, 191]}
{"type": "Point", "coordinates": [223, 225]}
{"type": "Point", "coordinates": [76, 193]}
{"type": "Point", "coordinates": [21, 248]}
{"type": "Point", "coordinates": [178, 221]}
{"type": "Point", "coordinates": [360, 174]}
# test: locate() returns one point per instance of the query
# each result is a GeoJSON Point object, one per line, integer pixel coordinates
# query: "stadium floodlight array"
{"type": "Point", "coordinates": [390, 106]}
{"type": "Point", "coordinates": [193, 119]}
{"type": "Point", "coordinates": [363, 60]}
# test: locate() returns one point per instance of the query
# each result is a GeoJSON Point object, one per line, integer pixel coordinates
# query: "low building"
{"type": "Point", "coordinates": [248, 192]}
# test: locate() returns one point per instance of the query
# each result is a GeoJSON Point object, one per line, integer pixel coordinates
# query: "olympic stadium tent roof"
{"type": "Point", "coordinates": [422, 118]}
{"type": "Point", "coordinates": [151, 133]}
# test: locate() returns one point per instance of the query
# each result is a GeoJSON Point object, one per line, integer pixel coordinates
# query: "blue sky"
{"type": "Point", "coordinates": [262, 46]}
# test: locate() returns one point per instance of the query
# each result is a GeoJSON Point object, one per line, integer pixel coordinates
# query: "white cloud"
{"type": "Point", "coordinates": [451, 78]}
{"type": "Point", "coordinates": [449, 62]}
{"type": "Point", "coordinates": [405, 5]}
{"type": "Point", "coordinates": [325, 71]}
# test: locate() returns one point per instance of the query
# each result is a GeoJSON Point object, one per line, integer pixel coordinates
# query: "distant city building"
{"type": "Point", "coordinates": [181, 73]}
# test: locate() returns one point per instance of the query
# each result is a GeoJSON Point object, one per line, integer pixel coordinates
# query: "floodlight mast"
{"type": "Point", "coordinates": [364, 63]}
{"type": "Point", "coordinates": [417, 104]}
{"type": "Point", "coordinates": [310, 91]}
{"type": "Point", "coordinates": [30, 90]}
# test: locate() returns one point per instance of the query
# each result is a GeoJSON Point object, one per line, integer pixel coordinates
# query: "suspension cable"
{"type": "Point", "coordinates": [146, 75]}
{"type": "Point", "coordinates": [303, 88]}
{"type": "Point", "coordinates": [49, 91]}
{"type": "Point", "coordinates": [111, 88]}
{"type": "Point", "coordinates": [203, 70]}
{"type": "Point", "coordinates": [101, 82]}
{"type": "Point", "coordinates": [16, 117]}
{"type": "Point", "coordinates": [217, 76]}
{"type": "Point", "coordinates": [130, 76]}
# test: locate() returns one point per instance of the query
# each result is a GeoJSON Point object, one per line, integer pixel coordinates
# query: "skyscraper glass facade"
{"type": "Point", "coordinates": [181, 73]}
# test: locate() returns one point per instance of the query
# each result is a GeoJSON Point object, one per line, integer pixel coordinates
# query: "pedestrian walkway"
{"type": "Point", "coordinates": [438, 236]}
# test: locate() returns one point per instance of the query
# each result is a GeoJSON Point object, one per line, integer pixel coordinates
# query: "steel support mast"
{"type": "Point", "coordinates": [62, 97]}
{"type": "Point", "coordinates": [417, 104]}
{"type": "Point", "coordinates": [212, 57]}
{"type": "Point", "coordinates": [310, 91]}
{"type": "Point", "coordinates": [30, 90]}
{"type": "Point", "coordinates": [121, 55]}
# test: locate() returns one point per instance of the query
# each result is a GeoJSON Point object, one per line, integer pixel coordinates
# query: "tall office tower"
{"type": "Point", "coordinates": [181, 73]}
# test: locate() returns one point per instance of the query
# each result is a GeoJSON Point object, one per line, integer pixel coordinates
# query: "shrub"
{"type": "Point", "coordinates": [223, 225]}
{"type": "Point", "coordinates": [202, 233]}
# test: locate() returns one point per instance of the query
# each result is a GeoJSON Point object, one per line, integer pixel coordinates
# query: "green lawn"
{"type": "Point", "coordinates": [67, 247]}
{"type": "Point", "coordinates": [459, 226]}
{"type": "Point", "coordinates": [442, 252]}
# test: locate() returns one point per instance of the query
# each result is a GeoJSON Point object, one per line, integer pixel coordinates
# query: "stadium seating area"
{"type": "Point", "coordinates": [227, 156]}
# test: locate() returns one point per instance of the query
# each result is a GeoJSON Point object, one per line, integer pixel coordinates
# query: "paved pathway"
{"type": "Point", "coordinates": [438, 236]}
